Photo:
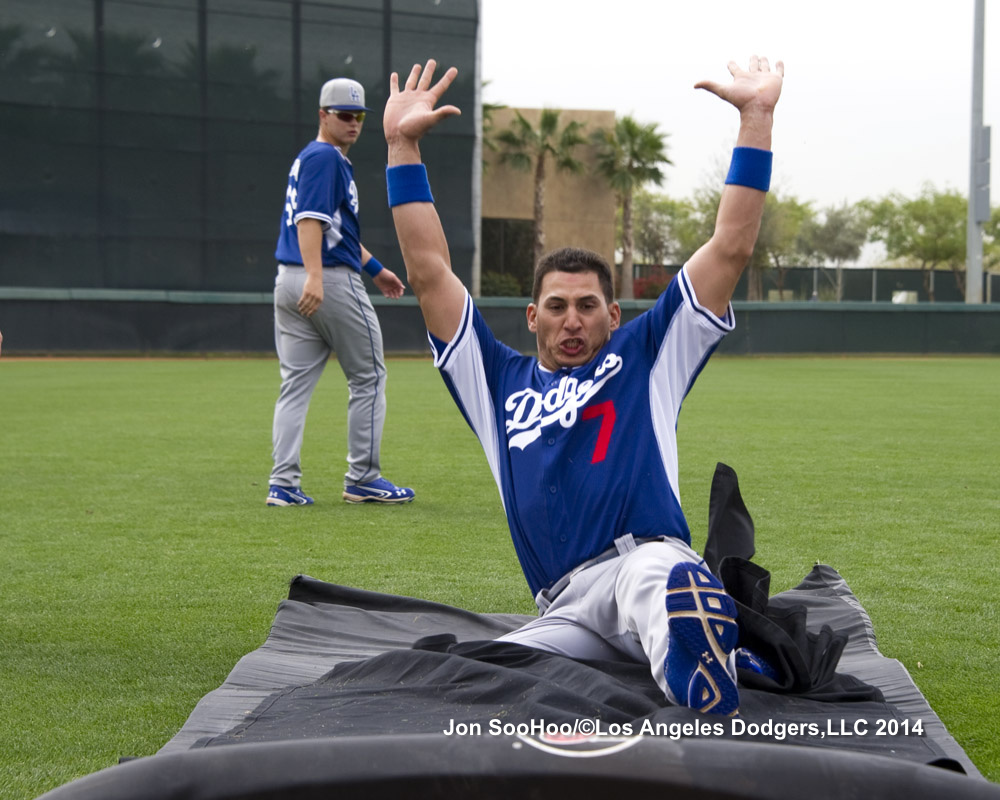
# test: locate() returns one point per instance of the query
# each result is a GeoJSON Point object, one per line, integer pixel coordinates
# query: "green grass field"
{"type": "Point", "coordinates": [139, 562]}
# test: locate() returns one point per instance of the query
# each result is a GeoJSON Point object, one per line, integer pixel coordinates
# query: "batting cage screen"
{"type": "Point", "coordinates": [145, 144]}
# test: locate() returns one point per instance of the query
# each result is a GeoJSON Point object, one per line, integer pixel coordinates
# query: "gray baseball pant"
{"type": "Point", "coordinates": [618, 606]}
{"type": "Point", "coordinates": [345, 324]}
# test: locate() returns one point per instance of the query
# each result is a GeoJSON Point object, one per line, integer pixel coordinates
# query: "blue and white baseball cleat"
{"type": "Point", "coordinates": [703, 634]}
{"type": "Point", "coordinates": [377, 491]}
{"type": "Point", "coordinates": [287, 496]}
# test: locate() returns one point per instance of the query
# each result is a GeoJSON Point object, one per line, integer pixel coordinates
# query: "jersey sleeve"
{"type": "Point", "coordinates": [320, 188]}
{"type": "Point", "coordinates": [679, 298]}
{"type": "Point", "coordinates": [680, 335]}
{"type": "Point", "coordinates": [470, 365]}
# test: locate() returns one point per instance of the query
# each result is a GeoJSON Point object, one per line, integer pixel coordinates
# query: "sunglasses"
{"type": "Point", "coordinates": [346, 116]}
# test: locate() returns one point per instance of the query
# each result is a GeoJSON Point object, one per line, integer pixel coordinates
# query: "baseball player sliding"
{"type": "Point", "coordinates": [581, 439]}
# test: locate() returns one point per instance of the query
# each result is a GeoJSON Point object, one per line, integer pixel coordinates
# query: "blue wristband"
{"type": "Point", "coordinates": [751, 167]}
{"type": "Point", "coordinates": [373, 267]}
{"type": "Point", "coordinates": [408, 183]}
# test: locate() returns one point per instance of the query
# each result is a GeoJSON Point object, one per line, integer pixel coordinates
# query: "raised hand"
{"type": "Point", "coordinates": [410, 113]}
{"type": "Point", "coordinates": [754, 89]}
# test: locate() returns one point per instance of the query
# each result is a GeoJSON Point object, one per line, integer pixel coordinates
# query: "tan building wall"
{"type": "Point", "coordinates": [579, 209]}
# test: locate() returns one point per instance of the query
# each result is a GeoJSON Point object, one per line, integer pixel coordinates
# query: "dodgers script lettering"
{"type": "Point", "coordinates": [531, 411]}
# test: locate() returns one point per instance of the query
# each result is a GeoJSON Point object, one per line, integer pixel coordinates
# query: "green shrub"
{"type": "Point", "coordinates": [498, 284]}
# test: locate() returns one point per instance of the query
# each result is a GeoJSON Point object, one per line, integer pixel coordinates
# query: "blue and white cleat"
{"type": "Point", "coordinates": [703, 634]}
{"type": "Point", "coordinates": [377, 491]}
{"type": "Point", "coordinates": [287, 496]}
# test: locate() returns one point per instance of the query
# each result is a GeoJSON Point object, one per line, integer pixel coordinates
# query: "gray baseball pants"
{"type": "Point", "coordinates": [345, 324]}
{"type": "Point", "coordinates": [618, 606]}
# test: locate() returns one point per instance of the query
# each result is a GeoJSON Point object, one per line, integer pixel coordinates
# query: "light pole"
{"type": "Point", "coordinates": [979, 168]}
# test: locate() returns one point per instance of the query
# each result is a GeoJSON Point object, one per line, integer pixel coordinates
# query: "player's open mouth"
{"type": "Point", "coordinates": [572, 347]}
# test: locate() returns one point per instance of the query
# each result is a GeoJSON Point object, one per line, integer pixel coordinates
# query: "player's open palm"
{"type": "Point", "coordinates": [410, 112]}
{"type": "Point", "coordinates": [756, 87]}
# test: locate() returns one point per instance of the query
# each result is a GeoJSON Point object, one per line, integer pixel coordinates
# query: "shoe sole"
{"type": "Point", "coordinates": [358, 499]}
{"type": "Point", "coordinates": [703, 633]}
{"type": "Point", "coordinates": [280, 503]}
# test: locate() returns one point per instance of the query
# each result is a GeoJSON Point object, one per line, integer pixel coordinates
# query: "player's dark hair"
{"type": "Point", "coordinates": [574, 259]}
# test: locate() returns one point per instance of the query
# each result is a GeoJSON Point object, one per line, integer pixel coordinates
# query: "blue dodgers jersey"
{"type": "Point", "coordinates": [321, 186]}
{"type": "Point", "coordinates": [585, 455]}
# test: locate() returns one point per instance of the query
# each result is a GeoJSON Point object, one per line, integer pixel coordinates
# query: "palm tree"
{"type": "Point", "coordinates": [528, 147]}
{"type": "Point", "coordinates": [629, 157]}
{"type": "Point", "coordinates": [489, 140]}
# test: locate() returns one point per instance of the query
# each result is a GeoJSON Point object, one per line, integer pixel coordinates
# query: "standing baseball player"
{"type": "Point", "coordinates": [321, 307]}
{"type": "Point", "coordinates": [581, 439]}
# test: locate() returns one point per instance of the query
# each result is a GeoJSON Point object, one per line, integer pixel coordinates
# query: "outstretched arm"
{"type": "Point", "coordinates": [716, 267]}
{"type": "Point", "coordinates": [409, 114]}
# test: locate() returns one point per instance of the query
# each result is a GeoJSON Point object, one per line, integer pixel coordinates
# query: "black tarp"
{"type": "Point", "coordinates": [401, 690]}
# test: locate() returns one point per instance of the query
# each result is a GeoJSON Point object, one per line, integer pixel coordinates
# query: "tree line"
{"type": "Point", "coordinates": [926, 232]}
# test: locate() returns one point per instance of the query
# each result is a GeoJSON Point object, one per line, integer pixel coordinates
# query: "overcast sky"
{"type": "Point", "coordinates": [877, 94]}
